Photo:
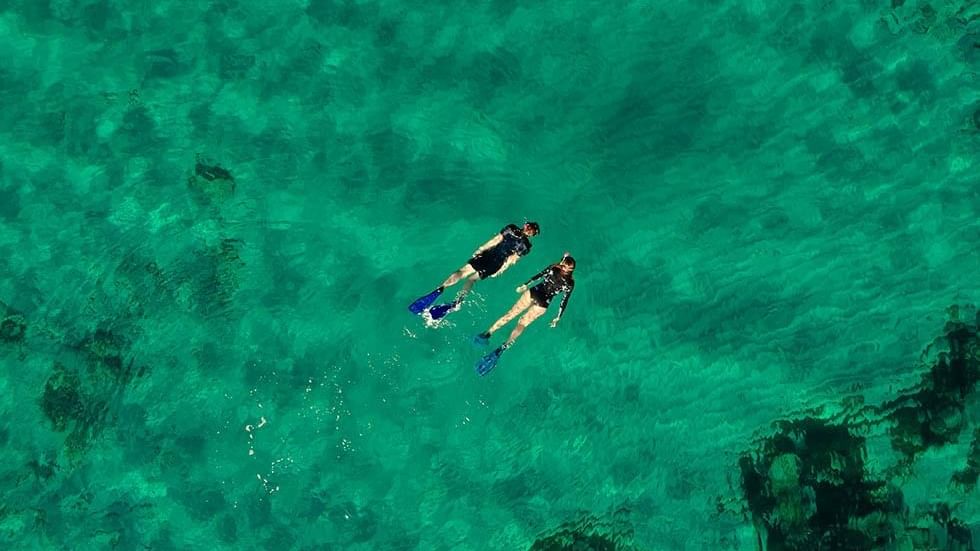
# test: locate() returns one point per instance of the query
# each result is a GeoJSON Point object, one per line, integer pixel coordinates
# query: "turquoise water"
{"type": "Point", "coordinates": [773, 206]}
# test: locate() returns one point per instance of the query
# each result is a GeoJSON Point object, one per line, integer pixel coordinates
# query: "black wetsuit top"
{"type": "Point", "coordinates": [491, 260]}
{"type": "Point", "coordinates": [555, 281]}
{"type": "Point", "coordinates": [514, 242]}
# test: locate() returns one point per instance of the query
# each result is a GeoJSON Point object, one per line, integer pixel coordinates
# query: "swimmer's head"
{"type": "Point", "coordinates": [531, 228]}
{"type": "Point", "coordinates": [568, 262]}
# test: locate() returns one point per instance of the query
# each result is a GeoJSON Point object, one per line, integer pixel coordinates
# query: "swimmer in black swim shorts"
{"type": "Point", "coordinates": [490, 260]}
{"type": "Point", "coordinates": [534, 301]}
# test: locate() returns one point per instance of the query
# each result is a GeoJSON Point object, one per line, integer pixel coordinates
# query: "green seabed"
{"type": "Point", "coordinates": [213, 217]}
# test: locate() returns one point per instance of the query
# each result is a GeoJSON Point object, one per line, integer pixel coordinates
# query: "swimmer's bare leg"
{"type": "Point", "coordinates": [522, 303]}
{"type": "Point", "coordinates": [424, 302]}
{"type": "Point", "coordinates": [459, 274]}
{"type": "Point", "coordinates": [533, 313]}
{"type": "Point", "coordinates": [470, 281]}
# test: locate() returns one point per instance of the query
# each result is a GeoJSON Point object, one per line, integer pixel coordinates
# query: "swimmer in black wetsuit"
{"type": "Point", "coordinates": [490, 260]}
{"type": "Point", "coordinates": [557, 279]}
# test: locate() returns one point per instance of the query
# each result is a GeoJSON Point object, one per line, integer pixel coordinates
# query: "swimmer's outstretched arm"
{"type": "Point", "coordinates": [564, 303]}
{"type": "Point", "coordinates": [491, 243]}
{"type": "Point", "coordinates": [538, 275]}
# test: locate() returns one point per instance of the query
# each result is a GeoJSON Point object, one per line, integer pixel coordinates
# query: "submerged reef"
{"type": "Point", "coordinates": [589, 533]}
{"type": "Point", "coordinates": [968, 476]}
{"type": "Point", "coordinates": [812, 485]}
{"type": "Point", "coordinates": [80, 393]}
{"type": "Point", "coordinates": [807, 488]}
{"type": "Point", "coordinates": [942, 20]}
{"type": "Point", "coordinates": [933, 414]}
{"type": "Point", "coordinates": [210, 183]}
{"type": "Point", "coordinates": [217, 278]}
{"type": "Point", "coordinates": [13, 325]}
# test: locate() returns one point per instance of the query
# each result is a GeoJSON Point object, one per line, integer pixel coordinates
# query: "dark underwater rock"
{"type": "Point", "coordinates": [968, 476]}
{"type": "Point", "coordinates": [932, 414]}
{"type": "Point", "coordinates": [212, 172]}
{"type": "Point", "coordinates": [13, 328]}
{"type": "Point", "coordinates": [211, 182]}
{"type": "Point", "coordinates": [62, 401]}
{"type": "Point", "coordinates": [807, 486]}
{"type": "Point", "coordinates": [13, 324]}
{"type": "Point", "coordinates": [589, 533]}
{"type": "Point", "coordinates": [78, 393]}
{"type": "Point", "coordinates": [104, 349]}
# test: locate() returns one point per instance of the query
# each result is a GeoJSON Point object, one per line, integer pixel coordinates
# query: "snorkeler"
{"type": "Point", "coordinates": [534, 303]}
{"type": "Point", "coordinates": [490, 260]}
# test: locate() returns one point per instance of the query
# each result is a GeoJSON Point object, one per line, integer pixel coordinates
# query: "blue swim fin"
{"type": "Point", "coordinates": [482, 340]}
{"type": "Point", "coordinates": [439, 312]}
{"type": "Point", "coordinates": [422, 303]}
{"type": "Point", "coordinates": [488, 362]}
